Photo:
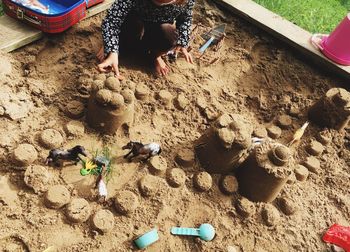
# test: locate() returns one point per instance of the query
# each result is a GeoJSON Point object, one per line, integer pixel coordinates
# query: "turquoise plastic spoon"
{"type": "Point", "coordinates": [206, 231]}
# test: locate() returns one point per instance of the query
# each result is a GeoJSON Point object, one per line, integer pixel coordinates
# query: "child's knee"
{"type": "Point", "coordinates": [170, 34]}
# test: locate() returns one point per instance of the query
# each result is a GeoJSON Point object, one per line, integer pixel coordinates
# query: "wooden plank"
{"type": "Point", "coordinates": [15, 34]}
{"type": "Point", "coordinates": [99, 8]}
{"type": "Point", "coordinates": [284, 30]}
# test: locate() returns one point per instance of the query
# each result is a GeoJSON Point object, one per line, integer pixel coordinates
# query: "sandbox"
{"type": "Point", "coordinates": [256, 77]}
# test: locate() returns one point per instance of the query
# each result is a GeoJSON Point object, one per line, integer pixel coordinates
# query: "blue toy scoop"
{"type": "Point", "coordinates": [206, 231]}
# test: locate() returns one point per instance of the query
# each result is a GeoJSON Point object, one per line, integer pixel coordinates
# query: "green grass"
{"type": "Point", "coordinates": [316, 16]}
{"type": "Point", "coordinates": [1, 11]}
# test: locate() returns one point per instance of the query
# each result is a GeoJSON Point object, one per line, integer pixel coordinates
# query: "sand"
{"type": "Point", "coordinates": [256, 77]}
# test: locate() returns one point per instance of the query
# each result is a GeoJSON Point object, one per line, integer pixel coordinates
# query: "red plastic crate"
{"type": "Point", "coordinates": [46, 22]}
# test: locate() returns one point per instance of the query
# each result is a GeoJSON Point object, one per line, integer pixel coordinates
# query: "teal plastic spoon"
{"type": "Point", "coordinates": [206, 231]}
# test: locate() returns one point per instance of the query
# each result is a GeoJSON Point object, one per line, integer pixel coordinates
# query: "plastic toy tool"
{"type": "Point", "coordinates": [147, 239]}
{"type": "Point", "coordinates": [206, 231]}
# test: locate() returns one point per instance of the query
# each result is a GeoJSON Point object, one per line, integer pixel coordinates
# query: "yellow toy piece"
{"type": "Point", "coordinates": [298, 134]}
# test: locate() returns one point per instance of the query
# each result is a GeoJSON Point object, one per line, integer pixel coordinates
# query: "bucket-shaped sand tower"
{"type": "Point", "coordinates": [332, 110]}
{"type": "Point", "coordinates": [264, 173]}
{"type": "Point", "coordinates": [224, 145]}
{"type": "Point", "coordinates": [110, 106]}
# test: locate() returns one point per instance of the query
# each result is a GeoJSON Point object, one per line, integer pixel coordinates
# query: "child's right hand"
{"type": "Point", "coordinates": [111, 61]}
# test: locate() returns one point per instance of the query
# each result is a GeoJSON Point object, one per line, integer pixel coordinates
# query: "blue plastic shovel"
{"type": "Point", "coordinates": [213, 36]}
{"type": "Point", "coordinates": [206, 231]}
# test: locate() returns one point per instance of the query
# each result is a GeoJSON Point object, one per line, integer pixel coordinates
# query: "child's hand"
{"type": "Point", "coordinates": [111, 61]}
{"type": "Point", "coordinates": [184, 51]}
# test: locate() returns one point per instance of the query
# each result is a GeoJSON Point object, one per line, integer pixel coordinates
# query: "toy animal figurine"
{"type": "Point", "coordinates": [101, 185]}
{"type": "Point", "coordinates": [137, 149]}
{"type": "Point", "coordinates": [67, 155]}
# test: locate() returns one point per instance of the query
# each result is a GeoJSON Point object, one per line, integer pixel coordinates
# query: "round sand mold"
{"type": "Point", "coordinates": [315, 148]}
{"type": "Point", "coordinates": [284, 121]}
{"type": "Point", "coordinates": [150, 185]}
{"type": "Point", "coordinates": [294, 110]}
{"type": "Point", "coordinates": [38, 178]}
{"type": "Point", "coordinates": [126, 202]}
{"type": "Point", "coordinates": [287, 206]}
{"type": "Point", "coordinates": [51, 138]}
{"type": "Point", "coordinates": [74, 128]}
{"type": "Point", "coordinates": [181, 102]}
{"type": "Point", "coordinates": [97, 85]}
{"type": "Point", "coordinates": [117, 101]}
{"type": "Point", "coordinates": [260, 132]}
{"type": "Point", "coordinates": [165, 97]}
{"type": "Point", "coordinates": [229, 184]}
{"type": "Point", "coordinates": [112, 84]}
{"type": "Point", "coordinates": [128, 95]}
{"type": "Point", "coordinates": [301, 172]}
{"type": "Point", "coordinates": [185, 157]}
{"type": "Point", "coordinates": [245, 208]}
{"type": "Point", "coordinates": [142, 92]}
{"type": "Point", "coordinates": [103, 220]}
{"type": "Point", "coordinates": [57, 196]}
{"type": "Point", "coordinates": [312, 164]}
{"type": "Point", "coordinates": [201, 102]}
{"type": "Point", "coordinates": [24, 155]}
{"type": "Point", "coordinates": [226, 137]}
{"type": "Point", "coordinates": [223, 121]}
{"type": "Point", "coordinates": [103, 96]}
{"type": "Point", "coordinates": [78, 210]}
{"type": "Point", "coordinates": [203, 181]}
{"type": "Point", "coordinates": [270, 215]}
{"type": "Point", "coordinates": [274, 132]}
{"type": "Point", "coordinates": [158, 165]}
{"type": "Point", "coordinates": [176, 177]}
{"type": "Point", "coordinates": [211, 113]}
{"type": "Point", "coordinates": [101, 77]}
{"type": "Point", "coordinates": [324, 137]}
{"type": "Point", "coordinates": [279, 155]}
{"type": "Point", "coordinates": [342, 97]}
{"type": "Point", "coordinates": [75, 109]}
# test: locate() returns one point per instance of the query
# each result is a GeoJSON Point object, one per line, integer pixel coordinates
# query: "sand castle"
{"type": "Point", "coordinates": [332, 110]}
{"type": "Point", "coordinates": [223, 146]}
{"type": "Point", "coordinates": [110, 106]}
{"type": "Point", "coordinates": [264, 173]}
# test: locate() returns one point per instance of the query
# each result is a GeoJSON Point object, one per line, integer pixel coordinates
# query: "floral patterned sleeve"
{"type": "Point", "coordinates": [183, 24]}
{"type": "Point", "coordinates": [112, 23]}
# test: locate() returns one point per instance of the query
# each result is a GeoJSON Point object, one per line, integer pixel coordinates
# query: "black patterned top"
{"type": "Point", "coordinates": [148, 12]}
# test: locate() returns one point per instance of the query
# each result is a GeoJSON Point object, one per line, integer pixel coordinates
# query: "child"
{"type": "Point", "coordinates": [154, 26]}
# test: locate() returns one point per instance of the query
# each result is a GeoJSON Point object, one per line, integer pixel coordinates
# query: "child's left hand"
{"type": "Point", "coordinates": [184, 51]}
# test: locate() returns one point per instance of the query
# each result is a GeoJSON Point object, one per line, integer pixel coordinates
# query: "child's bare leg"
{"type": "Point", "coordinates": [160, 39]}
